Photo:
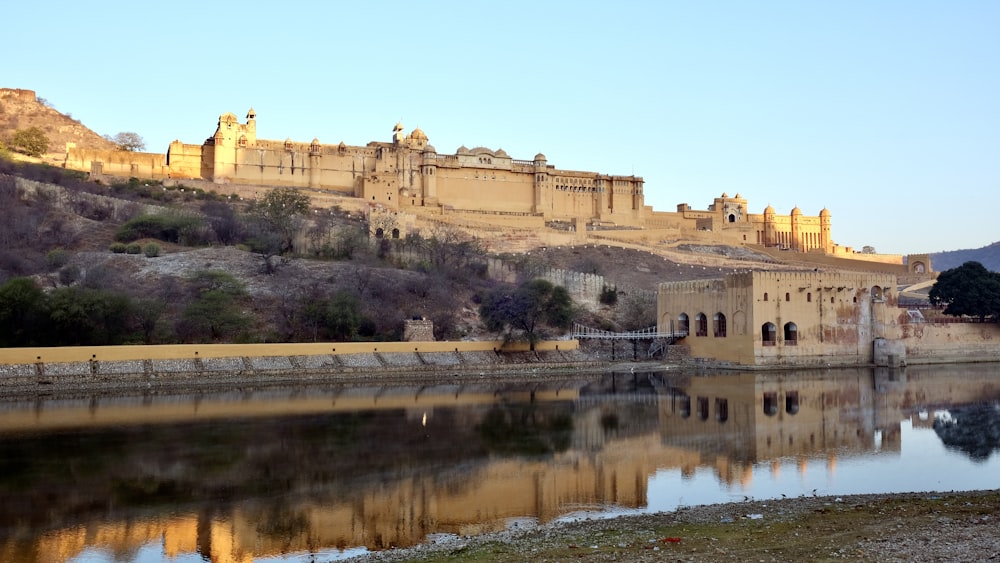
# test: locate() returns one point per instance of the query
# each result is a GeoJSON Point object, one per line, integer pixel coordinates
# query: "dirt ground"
{"type": "Point", "coordinates": [905, 527]}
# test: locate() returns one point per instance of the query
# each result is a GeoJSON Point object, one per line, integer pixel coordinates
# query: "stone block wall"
{"type": "Point", "coordinates": [585, 289]}
{"type": "Point", "coordinates": [418, 330]}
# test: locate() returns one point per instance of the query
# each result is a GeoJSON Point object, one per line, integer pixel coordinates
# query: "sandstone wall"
{"type": "Point", "coordinates": [61, 198]}
{"type": "Point", "coordinates": [951, 342]}
{"type": "Point", "coordinates": [118, 367]}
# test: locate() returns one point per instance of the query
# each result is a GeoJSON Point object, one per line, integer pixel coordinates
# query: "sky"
{"type": "Point", "coordinates": [886, 113]}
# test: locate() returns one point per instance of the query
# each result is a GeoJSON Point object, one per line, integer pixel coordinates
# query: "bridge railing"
{"type": "Point", "coordinates": [650, 333]}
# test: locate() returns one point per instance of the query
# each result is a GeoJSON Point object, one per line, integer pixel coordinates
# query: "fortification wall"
{"type": "Point", "coordinates": [118, 163]}
{"type": "Point", "coordinates": [585, 289]}
{"type": "Point", "coordinates": [888, 263]}
{"type": "Point", "coordinates": [951, 342]}
{"type": "Point", "coordinates": [61, 198]}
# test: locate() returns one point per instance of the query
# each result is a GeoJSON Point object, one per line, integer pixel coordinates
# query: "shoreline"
{"type": "Point", "coordinates": [952, 526]}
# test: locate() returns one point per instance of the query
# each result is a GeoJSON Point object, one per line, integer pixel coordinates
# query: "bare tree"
{"type": "Point", "coordinates": [127, 141]}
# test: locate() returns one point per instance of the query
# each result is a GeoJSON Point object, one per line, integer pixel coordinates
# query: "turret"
{"type": "Point", "coordinates": [796, 242]}
{"type": "Point", "coordinates": [770, 237]}
{"type": "Point", "coordinates": [824, 223]}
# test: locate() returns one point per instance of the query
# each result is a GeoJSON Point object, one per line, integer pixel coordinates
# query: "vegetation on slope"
{"type": "Point", "coordinates": [141, 262]}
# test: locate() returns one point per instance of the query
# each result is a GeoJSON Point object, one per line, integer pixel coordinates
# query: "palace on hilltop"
{"type": "Point", "coordinates": [407, 176]}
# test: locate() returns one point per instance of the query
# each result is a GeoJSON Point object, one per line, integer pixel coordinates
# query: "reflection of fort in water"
{"type": "Point", "coordinates": [392, 495]}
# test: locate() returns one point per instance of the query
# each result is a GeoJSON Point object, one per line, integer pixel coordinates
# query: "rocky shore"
{"type": "Point", "coordinates": [903, 527]}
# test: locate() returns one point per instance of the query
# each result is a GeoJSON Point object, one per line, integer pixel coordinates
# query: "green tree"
{"type": "Point", "coordinates": [274, 221]}
{"type": "Point", "coordinates": [127, 141]}
{"type": "Point", "coordinates": [343, 316]}
{"type": "Point", "coordinates": [22, 307]}
{"type": "Point", "coordinates": [81, 316]}
{"type": "Point", "coordinates": [525, 310]}
{"type": "Point", "coordinates": [214, 313]}
{"type": "Point", "coordinates": [969, 289]}
{"type": "Point", "coordinates": [280, 210]}
{"type": "Point", "coordinates": [31, 141]}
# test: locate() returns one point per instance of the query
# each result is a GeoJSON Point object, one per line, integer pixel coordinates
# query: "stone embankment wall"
{"type": "Point", "coordinates": [951, 342]}
{"type": "Point", "coordinates": [122, 366]}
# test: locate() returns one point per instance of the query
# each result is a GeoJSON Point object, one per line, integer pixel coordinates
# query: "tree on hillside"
{"type": "Point", "coordinates": [526, 309]}
{"type": "Point", "coordinates": [969, 289]}
{"type": "Point", "coordinates": [127, 141]}
{"type": "Point", "coordinates": [274, 221]}
{"type": "Point", "coordinates": [214, 314]}
{"type": "Point", "coordinates": [22, 309]}
{"type": "Point", "coordinates": [31, 141]}
{"type": "Point", "coordinates": [83, 316]}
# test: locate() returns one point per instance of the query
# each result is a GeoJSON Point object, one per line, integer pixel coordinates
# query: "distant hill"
{"type": "Point", "coordinates": [21, 109]}
{"type": "Point", "coordinates": [988, 256]}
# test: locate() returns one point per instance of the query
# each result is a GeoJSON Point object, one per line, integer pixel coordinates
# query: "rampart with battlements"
{"type": "Point", "coordinates": [408, 176]}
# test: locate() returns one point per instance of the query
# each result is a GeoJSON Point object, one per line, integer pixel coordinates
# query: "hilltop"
{"type": "Point", "coordinates": [21, 109]}
{"type": "Point", "coordinates": [988, 256]}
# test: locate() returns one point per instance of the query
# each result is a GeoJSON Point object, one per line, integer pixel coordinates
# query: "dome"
{"type": "Point", "coordinates": [796, 210]}
{"type": "Point", "coordinates": [251, 114]}
{"type": "Point", "coordinates": [315, 141]}
{"type": "Point", "coordinates": [430, 148]}
{"type": "Point", "coordinates": [398, 127]}
{"type": "Point", "coordinates": [540, 156]}
{"type": "Point", "coordinates": [502, 153]}
{"type": "Point", "coordinates": [725, 195]}
{"type": "Point", "coordinates": [824, 213]}
{"type": "Point", "coordinates": [462, 150]}
{"type": "Point", "coordinates": [769, 210]}
{"type": "Point", "coordinates": [418, 134]}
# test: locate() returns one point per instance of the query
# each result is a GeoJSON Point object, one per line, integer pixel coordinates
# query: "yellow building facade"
{"type": "Point", "coordinates": [406, 174]}
{"type": "Point", "coordinates": [782, 318]}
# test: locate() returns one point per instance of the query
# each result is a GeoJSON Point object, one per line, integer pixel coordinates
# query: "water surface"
{"type": "Point", "coordinates": [303, 473]}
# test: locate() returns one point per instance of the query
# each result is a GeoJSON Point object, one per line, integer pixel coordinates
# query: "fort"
{"type": "Point", "coordinates": [410, 185]}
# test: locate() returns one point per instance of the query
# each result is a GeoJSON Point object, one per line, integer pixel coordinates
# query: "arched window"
{"type": "Point", "coordinates": [876, 293]}
{"type": "Point", "coordinates": [732, 218]}
{"type": "Point", "coordinates": [791, 334]}
{"type": "Point", "coordinates": [765, 296]}
{"type": "Point", "coordinates": [703, 408]}
{"type": "Point", "coordinates": [379, 233]}
{"type": "Point", "coordinates": [768, 334]}
{"type": "Point", "coordinates": [395, 233]}
{"type": "Point", "coordinates": [719, 325]}
{"type": "Point", "coordinates": [721, 410]}
{"type": "Point", "coordinates": [683, 324]}
{"type": "Point", "coordinates": [770, 403]}
{"type": "Point", "coordinates": [684, 406]}
{"type": "Point", "coordinates": [792, 402]}
{"type": "Point", "coordinates": [701, 325]}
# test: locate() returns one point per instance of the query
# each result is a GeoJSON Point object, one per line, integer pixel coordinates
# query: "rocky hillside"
{"type": "Point", "coordinates": [988, 256]}
{"type": "Point", "coordinates": [21, 109]}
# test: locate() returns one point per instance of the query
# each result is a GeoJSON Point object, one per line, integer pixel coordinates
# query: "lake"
{"type": "Point", "coordinates": [323, 472]}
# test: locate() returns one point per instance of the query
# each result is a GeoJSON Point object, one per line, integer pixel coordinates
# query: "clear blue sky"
{"type": "Point", "coordinates": [887, 112]}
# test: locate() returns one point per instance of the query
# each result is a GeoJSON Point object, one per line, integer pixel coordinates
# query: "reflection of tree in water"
{"type": "Point", "coordinates": [525, 430]}
{"type": "Point", "coordinates": [973, 430]}
{"type": "Point", "coordinates": [280, 522]}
